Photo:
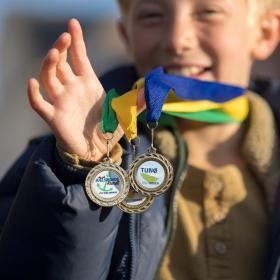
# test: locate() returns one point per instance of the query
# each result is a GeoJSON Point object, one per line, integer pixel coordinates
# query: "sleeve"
{"type": "Point", "coordinates": [53, 231]}
{"type": "Point", "coordinates": [11, 180]}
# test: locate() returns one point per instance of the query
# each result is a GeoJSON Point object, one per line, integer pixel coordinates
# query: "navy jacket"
{"type": "Point", "coordinates": [52, 231]}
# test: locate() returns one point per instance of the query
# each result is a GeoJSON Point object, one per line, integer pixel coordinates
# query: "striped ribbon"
{"type": "Point", "coordinates": [181, 97]}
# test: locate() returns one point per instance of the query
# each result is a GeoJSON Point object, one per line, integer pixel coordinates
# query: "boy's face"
{"type": "Point", "coordinates": [205, 39]}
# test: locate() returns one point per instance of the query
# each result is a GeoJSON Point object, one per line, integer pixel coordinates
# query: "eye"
{"type": "Point", "coordinates": [208, 13]}
{"type": "Point", "coordinates": [150, 15]}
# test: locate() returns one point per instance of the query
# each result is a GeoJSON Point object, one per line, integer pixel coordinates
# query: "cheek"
{"type": "Point", "coordinates": [228, 42]}
{"type": "Point", "coordinates": [141, 46]}
{"type": "Point", "coordinates": [229, 49]}
{"type": "Point", "coordinates": [144, 49]}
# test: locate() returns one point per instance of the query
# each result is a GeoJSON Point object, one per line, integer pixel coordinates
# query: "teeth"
{"type": "Point", "coordinates": [194, 70]}
{"type": "Point", "coordinates": [186, 71]}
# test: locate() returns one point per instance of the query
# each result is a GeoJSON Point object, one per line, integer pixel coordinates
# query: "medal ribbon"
{"type": "Point", "coordinates": [109, 122]}
{"type": "Point", "coordinates": [125, 107]}
{"type": "Point", "coordinates": [181, 97]}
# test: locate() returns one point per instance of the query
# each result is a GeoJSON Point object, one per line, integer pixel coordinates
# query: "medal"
{"type": "Point", "coordinates": [107, 183]}
{"type": "Point", "coordinates": [151, 173]}
{"type": "Point", "coordinates": [136, 202]}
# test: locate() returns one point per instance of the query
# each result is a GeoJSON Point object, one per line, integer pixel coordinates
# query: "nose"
{"type": "Point", "coordinates": [180, 34]}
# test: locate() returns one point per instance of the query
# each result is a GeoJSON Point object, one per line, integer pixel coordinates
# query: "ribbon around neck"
{"type": "Point", "coordinates": [181, 97]}
{"type": "Point", "coordinates": [158, 85]}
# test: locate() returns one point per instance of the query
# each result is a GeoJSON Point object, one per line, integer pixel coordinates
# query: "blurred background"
{"type": "Point", "coordinates": [28, 29]}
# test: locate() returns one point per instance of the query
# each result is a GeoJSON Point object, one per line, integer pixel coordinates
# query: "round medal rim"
{"type": "Point", "coordinates": [137, 208]}
{"type": "Point", "coordinates": [166, 165]}
{"type": "Point", "coordinates": [110, 201]}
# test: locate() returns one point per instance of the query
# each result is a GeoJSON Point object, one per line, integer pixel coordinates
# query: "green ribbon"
{"type": "Point", "coordinates": [210, 116]}
{"type": "Point", "coordinates": [109, 122]}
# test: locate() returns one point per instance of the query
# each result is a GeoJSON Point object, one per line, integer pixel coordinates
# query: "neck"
{"type": "Point", "coordinates": [212, 145]}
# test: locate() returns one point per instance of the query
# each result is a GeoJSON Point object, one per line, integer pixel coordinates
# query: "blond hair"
{"type": "Point", "coordinates": [259, 8]}
{"type": "Point", "coordinates": [263, 5]}
{"type": "Point", "coordinates": [269, 4]}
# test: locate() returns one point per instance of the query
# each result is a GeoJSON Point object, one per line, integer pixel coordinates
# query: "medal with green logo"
{"type": "Point", "coordinates": [151, 173]}
{"type": "Point", "coordinates": [135, 202]}
{"type": "Point", "coordinates": [107, 184]}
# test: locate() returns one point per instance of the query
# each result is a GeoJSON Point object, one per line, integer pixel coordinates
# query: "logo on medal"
{"type": "Point", "coordinates": [149, 178]}
{"type": "Point", "coordinates": [150, 174]}
{"type": "Point", "coordinates": [106, 184]}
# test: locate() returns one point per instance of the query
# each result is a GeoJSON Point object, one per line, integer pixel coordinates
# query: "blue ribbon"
{"type": "Point", "coordinates": [158, 85]}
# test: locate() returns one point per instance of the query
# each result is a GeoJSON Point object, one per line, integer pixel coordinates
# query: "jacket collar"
{"type": "Point", "coordinates": [260, 147]}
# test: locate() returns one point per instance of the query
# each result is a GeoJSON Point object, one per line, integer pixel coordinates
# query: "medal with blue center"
{"type": "Point", "coordinates": [107, 183]}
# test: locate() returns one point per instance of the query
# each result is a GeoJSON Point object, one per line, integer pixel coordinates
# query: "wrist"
{"type": "Point", "coordinates": [80, 162]}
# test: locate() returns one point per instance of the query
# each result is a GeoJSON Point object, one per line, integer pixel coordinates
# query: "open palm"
{"type": "Point", "coordinates": [74, 97]}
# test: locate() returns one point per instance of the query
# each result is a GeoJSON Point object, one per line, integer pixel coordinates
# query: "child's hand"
{"type": "Point", "coordinates": [75, 97]}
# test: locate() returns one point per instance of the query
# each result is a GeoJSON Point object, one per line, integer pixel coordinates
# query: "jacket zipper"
{"type": "Point", "coordinates": [177, 184]}
{"type": "Point", "coordinates": [132, 218]}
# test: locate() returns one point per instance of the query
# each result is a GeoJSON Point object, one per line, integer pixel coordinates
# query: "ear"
{"type": "Point", "coordinates": [268, 37]}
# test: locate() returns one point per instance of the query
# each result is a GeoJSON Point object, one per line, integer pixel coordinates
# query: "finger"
{"type": "Point", "coordinates": [62, 44]}
{"type": "Point", "coordinates": [37, 102]}
{"type": "Point", "coordinates": [64, 72]}
{"type": "Point", "coordinates": [48, 74]}
{"type": "Point", "coordinates": [78, 50]}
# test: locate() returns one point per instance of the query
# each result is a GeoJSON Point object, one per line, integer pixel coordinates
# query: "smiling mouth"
{"type": "Point", "coordinates": [190, 71]}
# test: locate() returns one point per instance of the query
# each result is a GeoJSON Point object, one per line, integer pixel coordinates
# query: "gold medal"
{"type": "Point", "coordinates": [136, 202]}
{"type": "Point", "coordinates": [151, 173]}
{"type": "Point", "coordinates": [107, 184]}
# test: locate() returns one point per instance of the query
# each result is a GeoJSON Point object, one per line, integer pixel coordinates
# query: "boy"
{"type": "Point", "coordinates": [223, 210]}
